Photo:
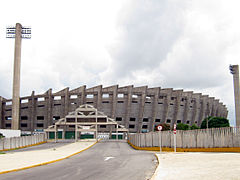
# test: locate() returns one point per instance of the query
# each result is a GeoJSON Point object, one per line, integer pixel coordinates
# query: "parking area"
{"type": "Point", "coordinates": [198, 166]}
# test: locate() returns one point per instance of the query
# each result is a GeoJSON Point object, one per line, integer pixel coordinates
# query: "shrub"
{"type": "Point", "coordinates": [215, 122]}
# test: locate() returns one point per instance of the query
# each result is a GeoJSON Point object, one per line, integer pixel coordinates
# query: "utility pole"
{"type": "Point", "coordinates": [234, 69]}
{"type": "Point", "coordinates": [18, 33]}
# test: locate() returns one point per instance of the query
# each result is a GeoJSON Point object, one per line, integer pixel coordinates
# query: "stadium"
{"type": "Point", "coordinates": [139, 109]}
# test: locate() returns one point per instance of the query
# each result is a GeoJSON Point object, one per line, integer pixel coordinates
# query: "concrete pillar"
{"type": "Point", "coordinates": [49, 104]}
{"type": "Point", "coordinates": [154, 108]}
{"type": "Point", "coordinates": [66, 101]}
{"type": "Point", "coordinates": [1, 113]}
{"type": "Point", "coordinates": [16, 77]}
{"type": "Point", "coordinates": [236, 83]}
{"type": "Point", "coordinates": [143, 91]}
{"type": "Point", "coordinates": [129, 103]}
{"type": "Point", "coordinates": [32, 104]}
{"type": "Point", "coordinates": [114, 101]}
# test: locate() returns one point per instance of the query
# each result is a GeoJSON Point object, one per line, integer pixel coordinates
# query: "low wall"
{"type": "Point", "coordinates": [20, 142]}
{"type": "Point", "coordinates": [191, 139]}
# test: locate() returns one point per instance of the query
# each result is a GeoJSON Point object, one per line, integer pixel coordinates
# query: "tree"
{"type": "Point", "coordinates": [165, 127]}
{"type": "Point", "coordinates": [194, 126]}
{"type": "Point", "coordinates": [181, 126]}
{"type": "Point", "coordinates": [215, 122]}
{"type": "Point", "coordinates": [1, 135]}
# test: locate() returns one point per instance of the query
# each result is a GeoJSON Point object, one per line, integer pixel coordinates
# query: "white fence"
{"type": "Point", "coordinates": [201, 138]}
{"type": "Point", "coordinates": [18, 142]}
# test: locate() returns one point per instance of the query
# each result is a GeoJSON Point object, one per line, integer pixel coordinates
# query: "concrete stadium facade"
{"type": "Point", "coordinates": [139, 109]}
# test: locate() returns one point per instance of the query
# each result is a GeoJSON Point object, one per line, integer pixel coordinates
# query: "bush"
{"type": "Point", "coordinates": [181, 126]}
{"type": "Point", "coordinates": [194, 126]}
{"type": "Point", "coordinates": [215, 122]}
{"type": "Point", "coordinates": [165, 127]}
{"type": "Point", "coordinates": [1, 135]}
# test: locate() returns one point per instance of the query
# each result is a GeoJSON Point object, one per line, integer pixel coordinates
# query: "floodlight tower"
{"type": "Point", "coordinates": [234, 69]}
{"type": "Point", "coordinates": [18, 33]}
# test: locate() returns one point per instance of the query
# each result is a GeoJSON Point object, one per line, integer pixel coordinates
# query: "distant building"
{"type": "Point", "coordinates": [139, 109]}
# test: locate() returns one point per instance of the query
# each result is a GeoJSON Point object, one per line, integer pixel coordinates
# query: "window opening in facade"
{"type": "Point", "coordinates": [73, 97]}
{"type": "Point", "coordinates": [132, 119]}
{"type": "Point", "coordinates": [8, 125]}
{"type": "Point", "coordinates": [8, 118]}
{"type": "Point", "coordinates": [145, 119]}
{"type": "Point", "coordinates": [24, 118]}
{"type": "Point", "coordinates": [157, 120]}
{"type": "Point", "coordinates": [24, 101]}
{"type": "Point", "coordinates": [41, 99]}
{"type": "Point", "coordinates": [40, 125]}
{"type": "Point", "coordinates": [103, 126]}
{"type": "Point", "coordinates": [90, 96]}
{"type": "Point", "coordinates": [55, 118]}
{"type": "Point", "coordinates": [118, 118]}
{"type": "Point", "coordinates": [144, 126]}
{"type": "Point", "coordinates": [120, 95]}
{"type": "Point", "coordinates": [179, 121]}
{"type": "Point", "coordinates": [57, 98]}
{"type": "Point", "coordinates": [131, 126]}
{"type": "Point", "coordinates": [168, 120]}
{"type": "Point", "coordinates": [24, 125]}
{"type": "Point", "coordinates": [134, 96]}
{"type": "Point", "coordinates": [105, 102]}
{"type": "Point", "coordinates": [40, 117]}
{"type": "Point", "coordinates": [105, 95]}
{"type": "Point", "coordinates": [120, 101]}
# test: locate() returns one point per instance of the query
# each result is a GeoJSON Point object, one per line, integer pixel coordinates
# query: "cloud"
{"type": "Point", "coordinates": [187, 44]}
{"type": "Point", "coordinates": [168, 43]}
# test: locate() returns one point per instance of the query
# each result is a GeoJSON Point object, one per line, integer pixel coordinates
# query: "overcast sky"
{"type": "Point", "coordinates": [180, 44]}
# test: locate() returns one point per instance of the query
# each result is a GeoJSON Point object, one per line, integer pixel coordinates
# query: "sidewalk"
{"type": "Point", "coordinates": [26, 159]}
{"type": "Point", "coordinates": [198, 166]}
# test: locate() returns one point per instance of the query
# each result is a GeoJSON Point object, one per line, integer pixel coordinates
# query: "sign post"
{"type": "Point", "coordinates": [160, 138]}
{"type": "Point", "coordinates": [174, 137]}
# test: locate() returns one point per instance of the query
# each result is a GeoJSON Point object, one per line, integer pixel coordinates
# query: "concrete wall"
{"type": "Point", "coordinates": [138, 108]}
{"type": "Point", "coordinates": [18, 142]}
{"type": "Point", "coordinates": [211, 138]}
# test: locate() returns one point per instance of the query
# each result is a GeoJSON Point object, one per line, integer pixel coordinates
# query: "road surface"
{"type": "Point", "coordinates": [105, 160]}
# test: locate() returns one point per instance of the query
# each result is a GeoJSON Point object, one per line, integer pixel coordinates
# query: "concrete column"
{"type": "Point", "coordinates": [1, 113]}
{"type": "Point", "coordinates": [16, 77]}
{"type": "Point", "coordinates": [154, 108]}
{"type": "Point", "coordinates": [83, 95]}
{"type": "Point", "coordinates": [129, 103]}
{"type": "Point", "coordinates": [66, 101]}
{"type": "Point", "coordinates": [33, 111]}
{"type": "Point", "coordinates": [99, 97]}
{"type": "Point", "coordinates": [236, 83]}
{"type": "Point", "coordinates": [143, 92]}
{"type": "Point", "coordinates": [49, 104]}
{"type": "Point", "coordinates": [114, 101]}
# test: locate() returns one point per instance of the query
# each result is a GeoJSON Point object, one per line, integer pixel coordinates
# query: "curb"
{"type": "Point", "coordinates": [155, 173]}
{"type": "Point", "coordinates": [45, 163]}
{"type": "Point", "coordinates": [166, 149]}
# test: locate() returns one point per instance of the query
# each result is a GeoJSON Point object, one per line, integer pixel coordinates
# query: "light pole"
{"type": "Point", "coordinates": [234, 69]}
{"type": "Point", "coordinates": [18, 33]}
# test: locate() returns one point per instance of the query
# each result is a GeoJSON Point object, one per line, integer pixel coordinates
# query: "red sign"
{"type": "Point", "coordinates": [159, 127]}
{"type": "Point", "coordinates": [175, 129]}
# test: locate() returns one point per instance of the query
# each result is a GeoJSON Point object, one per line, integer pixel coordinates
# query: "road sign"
{"type": "Point", "coordinates": [159, 127]}
{"type": "Point", "coordinates": [175, 129]}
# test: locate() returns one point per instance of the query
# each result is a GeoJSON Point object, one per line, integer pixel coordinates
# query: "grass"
{"type": "Point", "coordinates": [2, 152]}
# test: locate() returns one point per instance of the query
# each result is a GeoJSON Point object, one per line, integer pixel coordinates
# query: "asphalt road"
{"type": "Point", "coordinates": [105, 160]}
